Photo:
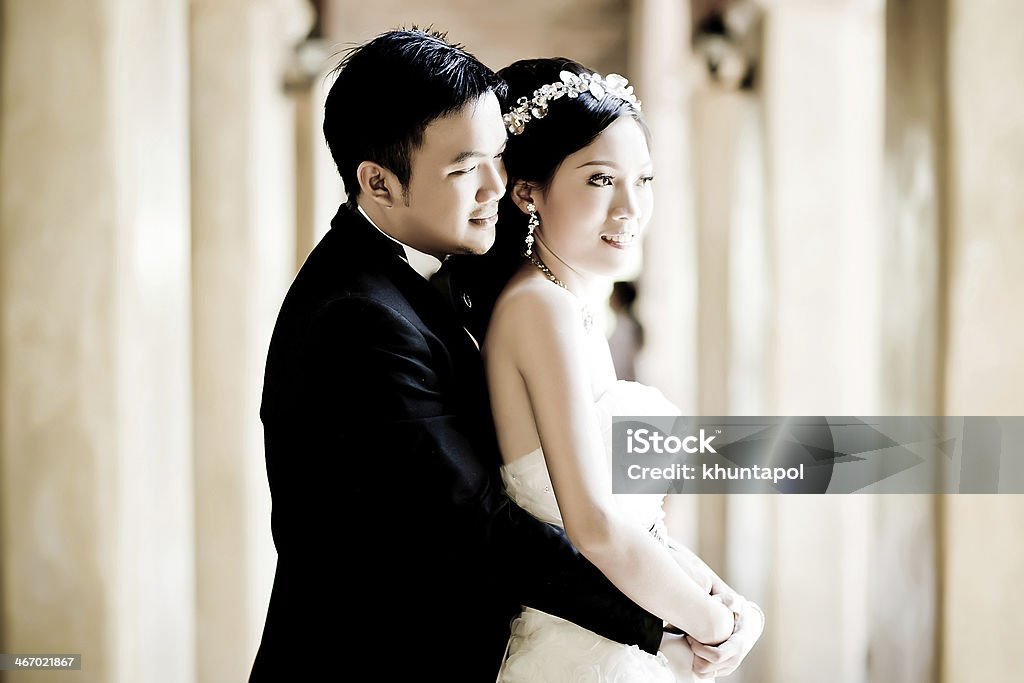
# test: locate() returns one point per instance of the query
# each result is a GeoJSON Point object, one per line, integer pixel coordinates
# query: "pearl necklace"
{"type": "Point", "coordinates": [588, 317]}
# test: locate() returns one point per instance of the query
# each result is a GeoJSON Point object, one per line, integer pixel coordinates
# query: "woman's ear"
{"type": "Point", "coordinates": [378, 184]}
{"type": "Point", "coordinates": [523, 194]}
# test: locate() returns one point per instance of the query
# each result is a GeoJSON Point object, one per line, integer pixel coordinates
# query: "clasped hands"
{"type": "Point", "coordinates": [709, 661]}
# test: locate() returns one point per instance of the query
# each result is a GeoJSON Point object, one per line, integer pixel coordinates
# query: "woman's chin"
{"type": "Point", "coordinates": [624, 265]}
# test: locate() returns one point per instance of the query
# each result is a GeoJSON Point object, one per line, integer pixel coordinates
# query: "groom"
{"type": "Point", "coordinates": [398, 551]}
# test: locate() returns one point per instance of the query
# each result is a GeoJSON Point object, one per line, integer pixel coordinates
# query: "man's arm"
{"type": "Point", "coordinates": [365, 358]}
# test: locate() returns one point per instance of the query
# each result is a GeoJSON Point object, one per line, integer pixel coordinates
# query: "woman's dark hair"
{"type": "Point", "coordinates": [534, 156]}
{"type": "Point", "coordinates": [389, 90]}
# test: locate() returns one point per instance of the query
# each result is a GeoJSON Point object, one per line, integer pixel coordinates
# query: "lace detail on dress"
{"type": "Point", "coordinates": [546, 649]}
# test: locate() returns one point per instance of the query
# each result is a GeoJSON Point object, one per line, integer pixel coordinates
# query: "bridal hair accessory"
{"type": "Point", "coordinates": [588, 317]}
{"type": "Point", "coordinates": [530, 227]}
{"type": "Point", "coordinates": [570, 85]}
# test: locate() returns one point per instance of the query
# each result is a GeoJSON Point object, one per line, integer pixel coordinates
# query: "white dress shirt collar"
{"type": "Point", "coordinates": [424, 264]}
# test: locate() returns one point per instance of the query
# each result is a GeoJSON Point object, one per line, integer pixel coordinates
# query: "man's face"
{"type": "Point", "coordinates": [457, 179]}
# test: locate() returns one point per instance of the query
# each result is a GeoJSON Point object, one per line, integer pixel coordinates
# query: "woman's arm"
{"type": "Point", "coordinates": [546, 341]}
{"type": "Point", "coordinates": [692, 564]}
{"type": "Point", "coordinates": [726, 657]}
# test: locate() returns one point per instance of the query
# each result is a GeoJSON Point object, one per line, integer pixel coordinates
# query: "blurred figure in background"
{"type": "Point", "coordinates": [627, 334]}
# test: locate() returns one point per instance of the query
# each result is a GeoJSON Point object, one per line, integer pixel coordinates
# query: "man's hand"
{"type": "Point", "coordinates": [721, 660]}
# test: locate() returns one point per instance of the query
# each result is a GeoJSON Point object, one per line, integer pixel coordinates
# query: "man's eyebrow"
{"type": "Point", "coordinates": [463, 156]}
{"type": "Point", "coordinates": [473, 154]}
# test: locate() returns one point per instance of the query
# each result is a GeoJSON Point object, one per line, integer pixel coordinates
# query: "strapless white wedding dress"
{"type": "Point", "coordinates": [547, 649]}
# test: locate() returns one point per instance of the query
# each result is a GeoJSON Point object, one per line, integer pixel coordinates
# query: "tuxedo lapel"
{"type": "Point", "coordinates": [437, 312]}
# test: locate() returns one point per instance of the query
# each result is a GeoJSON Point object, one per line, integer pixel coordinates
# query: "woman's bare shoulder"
{"type": "Point", "coordinates": [530, 302]}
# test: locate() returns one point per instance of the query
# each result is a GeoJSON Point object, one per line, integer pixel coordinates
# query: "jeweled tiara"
{"type": "Point", "coordinates": [570, 85]}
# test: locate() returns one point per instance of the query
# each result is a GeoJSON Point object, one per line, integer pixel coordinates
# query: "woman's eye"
{"type": "Point", "coordinates": [646, 180]}
{"type": "Point", "coordinates": [465, 171]}
{"type": "Point", "coordinates": [601, 180]}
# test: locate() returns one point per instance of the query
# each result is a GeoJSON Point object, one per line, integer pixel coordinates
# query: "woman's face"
{"type": "Point", "coordinates": [598, 201]}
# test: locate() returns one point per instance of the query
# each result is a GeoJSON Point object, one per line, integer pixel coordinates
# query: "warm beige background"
{"type": "Point", "coordinates": [844, 239]}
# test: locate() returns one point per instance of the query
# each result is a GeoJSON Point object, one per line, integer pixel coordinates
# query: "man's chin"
{"type": "Point", "coordinates": [478, 246]}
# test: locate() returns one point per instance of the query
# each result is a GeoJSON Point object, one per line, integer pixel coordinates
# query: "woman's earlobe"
{"type": "Point", "coordinates": [522, 195]}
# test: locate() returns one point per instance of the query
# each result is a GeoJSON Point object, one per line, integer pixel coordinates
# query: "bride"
{"type": "Point", "coordinates": [579, 194]}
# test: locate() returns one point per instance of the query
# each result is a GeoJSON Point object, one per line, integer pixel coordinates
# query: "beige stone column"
{"type": "Point", "coordinates": [823, 84]}
{"type": "Point", "coordinates": [305, 181]}
{"type": "Point", "coordinates": [667, 306]}
{"type": "Point", "coordinates": [243, 231]}
{"type": "Point", "coordinates": [904, 569]}
{"type": "Point", "coordinates": [660, 59]}
{"type": "Point", "coordinates": [716, 119]}
{"type": "Point", "coordinates": [983, 609]}
{"type": "Point", "coordinates": [733, 256]}
{"type": "Point", "coordinates": [823, 80]}
{"type": "Point", "coordinates": [915, 204]}
{"type": "Point", "coordinates": [95, 431]}
{"type": "Point", "coordinates": [732, 262]}
{"type": "Point", "coordinates": [319, 190]}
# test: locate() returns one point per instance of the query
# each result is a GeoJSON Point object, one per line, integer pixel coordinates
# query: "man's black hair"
{"type": "Point", "coordinates": [389, 90]}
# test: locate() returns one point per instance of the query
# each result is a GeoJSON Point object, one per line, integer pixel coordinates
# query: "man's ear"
{"type": "Point", "coordinates": [523, 194]}
{"type": "Point", "coordinates": [378, 184]}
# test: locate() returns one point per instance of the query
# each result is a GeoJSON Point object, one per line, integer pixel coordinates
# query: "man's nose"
{"type": "Point", "coordinates": [493, 181]}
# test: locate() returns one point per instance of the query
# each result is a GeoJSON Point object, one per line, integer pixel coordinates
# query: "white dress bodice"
{"type": "Point", "coordinates": [547, 649]}
{"type": "Point", "coordinates": [529, 485]}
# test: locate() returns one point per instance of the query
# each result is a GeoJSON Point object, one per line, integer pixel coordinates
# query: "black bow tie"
{"type": "Point", "coordinates": [446, 281]}
{"type": "Point", "coordinates": [442, 282]}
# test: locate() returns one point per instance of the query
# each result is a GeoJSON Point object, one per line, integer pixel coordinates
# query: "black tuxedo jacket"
{"type": "Point", "coordinates": [397, 546]}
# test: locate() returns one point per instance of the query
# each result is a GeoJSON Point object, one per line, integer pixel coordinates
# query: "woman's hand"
{"type": "Point", "coordinates": [721, 660]}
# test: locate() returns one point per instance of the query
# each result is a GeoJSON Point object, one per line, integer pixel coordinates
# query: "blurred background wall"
{"type": "Point", "coordinates": [838, 231]}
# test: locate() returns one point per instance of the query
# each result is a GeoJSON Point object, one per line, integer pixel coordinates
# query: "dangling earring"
{"type": "Point", "coordinates": [530, 227]}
